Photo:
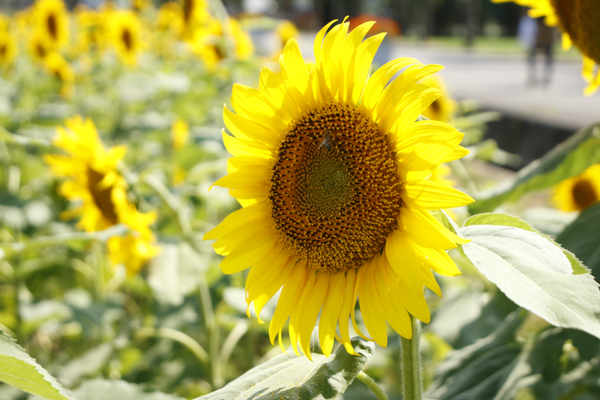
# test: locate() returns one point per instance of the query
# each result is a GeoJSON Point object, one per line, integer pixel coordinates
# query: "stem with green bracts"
{"type": "Point", "coordinates": [367, 380]}
{"type": "Point", "coordinates": [411, 363]}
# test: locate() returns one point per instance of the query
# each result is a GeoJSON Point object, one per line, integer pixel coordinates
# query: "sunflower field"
{"type": "Point", "coordinates": [186, 213]}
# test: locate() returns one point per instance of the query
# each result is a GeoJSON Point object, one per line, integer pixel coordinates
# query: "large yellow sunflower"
{"type": "Point", "coordinates": [331, 168]}
{"type": "Point", "coordinates": [579, 192]}
{"type": "Point", "coordinates": [94, 181]}
{"type": "Point", "coordinates": [579, 21]}
{"type": "Point", "coordinates": [125, 32]}
{"type": "Point", "coordinates": [52, 20]}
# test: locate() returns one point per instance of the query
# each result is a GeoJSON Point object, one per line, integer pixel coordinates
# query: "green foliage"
{"type": "Point", "coordinates": [582, 237]}
{"type": "Point", "coordinates": [567, 159]}
{"type": "Point", "coordinates": [534, 273]}
{"type": "Point", "coordinates": [289, 376]}
{"type": "Point", "coordinates": [17, 368]}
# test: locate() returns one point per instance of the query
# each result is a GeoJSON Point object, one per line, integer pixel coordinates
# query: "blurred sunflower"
{"type": "Point", "coordinates": [578, 20]}
{"type": "Point", "coordinates": [8, 47]}
{"type": "Point", "coordinates": [443, 108]}
{"type": "Point", "coordinates": [59, 68]}
{"type": "Point", "coordinates": [195, 16]}
{"type": "Point", "coordinates": [170, 18]}
{"type": "Point", "coordinates": [52, 20]}
{"type": "Point", "coordinates": [210, 43]}
{"type": "Point", "coordinates": [331, 167]}
{"type": "Point", "coordinates": [285, 31]}
{"type": "Point", "coordinates": [125, 32]}
{"type": "Point", "coordinates": [94, 180]}
{"type": "Point", "coordinates": [91, 30]}
{"type": "Point", "coordinates": [37, 47]}
{"type": "Point", "coordinates": [579, 192]}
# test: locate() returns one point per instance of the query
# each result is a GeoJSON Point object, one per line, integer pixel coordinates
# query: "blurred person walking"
{"type": "Point", "coordinates": [544, 43]}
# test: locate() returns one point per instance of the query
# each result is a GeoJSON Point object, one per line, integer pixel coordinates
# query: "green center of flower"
{"type": "Point", "coordinates": [102, 196]}
{"type": "Point", "coordinates": [334, 192]}
{"type": "Point", "coordinates": [584, 194]}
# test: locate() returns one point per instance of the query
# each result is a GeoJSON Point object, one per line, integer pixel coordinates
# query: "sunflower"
{"type": "Point", "coordinates": [8, 47]}
{"type": "Point", "coordinates": [210, 43]}
{"type": "Point", "coordinates": [170, 18]}
{"type": "Point", "coordinates": [285, 31]}
{"type": "Point", "coordinates": [579, 192]}
{"type": "Point", "coordinates": [131, 251]}
{"type": "Point", "coordinates": [125, 32]}
{"type": "Point", "coordinates": [331, 167]}
{"type": "Point", "coordinates": [443, 108]}
{"type": "Point", "coordinates": [578, 20]}
{"type": "Point", "coordinates": [38, 47]}
{"type": "Point", "coordinates": [52, 20]}
{"type": "Point", "coordinates": [91, 29]}
{"type": "Point", "coordinates": [94, 180]}
{"type": "Point", "coordinates": [195, 15]}
{"type": "Point", "coordinates": [59, 68]}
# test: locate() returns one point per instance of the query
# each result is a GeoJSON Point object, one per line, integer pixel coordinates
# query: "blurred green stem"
{"type": "Point", "coordinates": [459, 170]}
{"type": "Point", "coordinates": [176, 336]}
{"type": "Point", "coordinates": [411, 363]}
{"type": "Point", "coordinates": [367, 380]}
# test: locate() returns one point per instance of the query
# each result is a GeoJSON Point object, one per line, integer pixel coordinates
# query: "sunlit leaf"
{"type": "Point", "coordinates": [20, 370]}
{"type": "Point", "coordinates": [288, 376]}
{"type": "Point", "coordinates": [534, 273]}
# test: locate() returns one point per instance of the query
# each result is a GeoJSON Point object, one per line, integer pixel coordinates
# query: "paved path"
{"type": "Point", "coordinates": [498, 82]}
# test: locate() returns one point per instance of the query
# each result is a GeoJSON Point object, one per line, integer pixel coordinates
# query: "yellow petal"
{"type": "Point", "coordinates": [433, 195]}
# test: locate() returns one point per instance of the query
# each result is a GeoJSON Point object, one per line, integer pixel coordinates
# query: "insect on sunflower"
{"type": "Point", "coordinates": [331, 167]}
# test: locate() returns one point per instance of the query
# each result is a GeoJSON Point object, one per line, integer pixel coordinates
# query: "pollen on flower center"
{"type": "Point", "coordinates": [101, 196]}
{"type": "Point", "coordinates": [584, 194]}
{"type": "Point", "coordinates": [334, 192]}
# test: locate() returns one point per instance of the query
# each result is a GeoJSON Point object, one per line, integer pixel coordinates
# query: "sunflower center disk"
{"type": "Point", "coordinates": [101, 196]}
{"type": "Point", "coordinates": [584, 194]}
{"type": "Point", "coordinates": [334, 192]}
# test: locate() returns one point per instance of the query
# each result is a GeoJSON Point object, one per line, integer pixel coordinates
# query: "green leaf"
{"type": "Point", "coordinates": [479, 370]}
{"type": "Point", "coordinates": [536, 274]}
{"type": "Point", "coordinates": [582, 237]}
{"type": "Point", "coordinates": [511, 220]}
{"type": "Point", "coordinates": [99, 389]}
{"type": "Point", "coordinates": [288, 376]}
{"type": "Point", "coordinates": [20, 370]}
{"type": "Point", "coordinates": [569, 158]}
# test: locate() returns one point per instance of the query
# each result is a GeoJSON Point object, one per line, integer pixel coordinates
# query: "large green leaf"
{"type": "Point", "coordinates": [582, 237]}
{"type": "Point", "coordinates": [20, 370]}
{"type": "Point", "coordinates": [511, 220]}
{"type": "Point", "coordinates": [567, 159]}
{"type": "Point", "coordinates": [288, 376]}
{"type": "Point", "coordinates": [535, 273]}
{"type": "Point", "coordinates": [478, 371]}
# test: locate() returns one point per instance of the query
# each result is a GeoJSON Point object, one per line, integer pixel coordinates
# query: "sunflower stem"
{"type": "Point", "coordinates": [367, 380]}
{"type": "Point", "coordinates": [411, 363]}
